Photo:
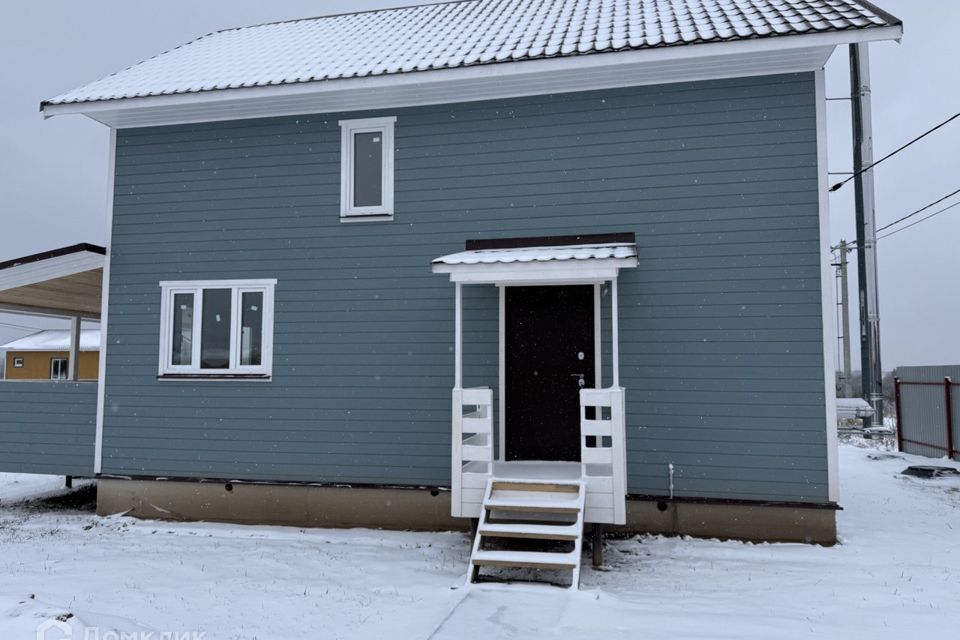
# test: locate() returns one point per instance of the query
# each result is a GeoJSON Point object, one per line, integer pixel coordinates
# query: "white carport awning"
{"type": "Point", "coordinates": [566, 263]}
{"type": "Point", "coordinates": [63, 282]}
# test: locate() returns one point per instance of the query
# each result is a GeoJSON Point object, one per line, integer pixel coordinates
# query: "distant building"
{"type": "Point", "coordinates": [45, 356]}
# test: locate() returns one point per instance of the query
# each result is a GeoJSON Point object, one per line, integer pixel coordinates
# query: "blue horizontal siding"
{"type": "Point", "coordinates": [48, 427]}
{"type": "Point", "coordinates": [721, 325]}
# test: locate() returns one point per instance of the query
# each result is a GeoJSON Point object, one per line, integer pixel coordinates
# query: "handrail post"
{"type": "Point", "coordinates": [458, 337]}
{"type": "Point", "coordinates": [615, 332]}
{"type": "Point", "coordinates": [456, 455]}
{"type": "Point", "coordinates": [948, 405]}
{"type": "Point", "coordinates": [896, 395]}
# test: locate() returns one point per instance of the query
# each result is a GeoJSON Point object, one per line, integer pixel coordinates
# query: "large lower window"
{"type": "Point", "coordinates": [366, 167]}
{"type": "Point", "coordinates": [217, 328]}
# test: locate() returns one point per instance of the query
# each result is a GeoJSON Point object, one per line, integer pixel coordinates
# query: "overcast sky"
{"type": "Point", "coordinates": [53, 173]}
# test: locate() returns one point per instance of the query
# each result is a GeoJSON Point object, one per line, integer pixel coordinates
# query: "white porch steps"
{"type": "Point", "coordinates": [525, 512]}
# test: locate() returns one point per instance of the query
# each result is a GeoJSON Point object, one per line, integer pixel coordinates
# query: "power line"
{"type": "Point", "coordinates": [896, 151]}
{"type": "Point", "coordinates": [920, 210]}
{"type": "Point", "coordinates": [935, 213]}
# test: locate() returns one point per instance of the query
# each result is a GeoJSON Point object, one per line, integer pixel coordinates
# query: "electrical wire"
{"type": "Point", "coordinates": [916, 222]}
{"type": "Point", "coordinates": [895, 151]}
{"type": "Point", "coordinates": [920, 210]}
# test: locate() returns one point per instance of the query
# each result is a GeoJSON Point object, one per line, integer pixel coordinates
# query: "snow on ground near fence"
{"type": "Point", "coordinates": [896, 575]}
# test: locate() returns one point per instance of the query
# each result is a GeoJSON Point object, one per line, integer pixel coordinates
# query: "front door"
{"type": "Point", "coordinates": [549, 357]}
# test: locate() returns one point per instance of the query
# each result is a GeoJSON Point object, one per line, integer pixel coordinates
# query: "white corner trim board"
{"type": "Point", "coordinates": [828, 304]}
{"type": "Point", "coordinates": [741, 58]}
{"type": "Point", "coordinates": [105, 306]}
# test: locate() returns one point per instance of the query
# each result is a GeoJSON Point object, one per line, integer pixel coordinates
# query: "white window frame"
{"type": "Point", "coordinates": [348, 128]}
{"type": "Point", "coordinates": [18, 362]}
{"type": "Point", "coordinates": [237, 287]}
{"type": "Point", "coordinates": [64, 369]}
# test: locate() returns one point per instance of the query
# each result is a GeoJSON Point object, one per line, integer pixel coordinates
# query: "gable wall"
{"type": "Point", "coordinates": [721, 344]}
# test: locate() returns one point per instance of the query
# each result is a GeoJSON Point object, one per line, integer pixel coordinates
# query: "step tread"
{"type": "Point", "coordinates": [517, 504]}
{"type": "Point", "coordinates": [526, 559]}
{"type": "Point", "coordinates": [518, 530]}
{"type": "Point", "coordinates": [545, 486]}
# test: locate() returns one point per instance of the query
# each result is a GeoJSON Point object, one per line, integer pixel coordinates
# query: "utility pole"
{"type": "Point", "coordinates": [870, 366]}
{"type": "Point", "coordinates": [844, 248]}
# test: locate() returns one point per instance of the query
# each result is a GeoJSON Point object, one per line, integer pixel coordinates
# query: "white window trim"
{"type": "Point", "coordinates": [18, 362]}
{"type": "Point", "coordinates": [62, 373]}
{"type": "Point", "coordinates": [171, 287]}
{"type": "Point", "coordinates": [347, 130]}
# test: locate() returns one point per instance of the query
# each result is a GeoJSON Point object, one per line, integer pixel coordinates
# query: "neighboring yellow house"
{"type": "Point", "coordinates": [45, 355]}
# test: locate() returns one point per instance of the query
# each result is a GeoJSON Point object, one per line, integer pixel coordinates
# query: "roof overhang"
{"type": "Point", "coordinates": [62, 282]}
{"type": "Point", "coordinates": [538, 265]}
{"type": "Point", "coordinates": [735, 58]}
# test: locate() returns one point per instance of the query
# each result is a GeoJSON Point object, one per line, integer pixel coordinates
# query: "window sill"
{"type": "Point", "coordinates": [216, 376]}
{"type": "Point", "coordinates": [366, 217]}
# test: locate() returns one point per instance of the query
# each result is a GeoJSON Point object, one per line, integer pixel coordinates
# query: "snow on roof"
{"type": "Point", "coordinates": [542, 254]}
{"type": "Point", "coordinates": [459, 34]}
{"type": "Point", "coordinates": [54, 340]}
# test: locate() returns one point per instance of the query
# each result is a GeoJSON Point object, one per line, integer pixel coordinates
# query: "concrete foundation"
{"type": "Point", "coordinates": [750, 522]}
{"type": "Point", "coordinates": [429, 510]}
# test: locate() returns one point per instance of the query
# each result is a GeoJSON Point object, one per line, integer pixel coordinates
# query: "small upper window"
{"type": "Point", "coordinates": [18, 363]}
{"type": "Point", "coordinates": [217, 328]}
{"type": "Point", "coordinates": [58, 368]}
{"type": "Point", "coordinates": [366, 167]}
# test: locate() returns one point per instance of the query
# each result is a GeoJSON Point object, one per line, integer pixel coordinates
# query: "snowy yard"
{"type": "Point", "coordinates": [895, 575]}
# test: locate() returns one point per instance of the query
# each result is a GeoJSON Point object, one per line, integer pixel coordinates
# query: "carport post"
{"type": "Point", "coordinates": [73, 361]}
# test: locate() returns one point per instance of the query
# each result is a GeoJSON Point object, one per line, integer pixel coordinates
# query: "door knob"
{"type": "Point", "coordinates": [580, 381]}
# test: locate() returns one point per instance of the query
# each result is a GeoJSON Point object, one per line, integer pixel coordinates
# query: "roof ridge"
{"type": "Point", "coordinates": [339, 15]}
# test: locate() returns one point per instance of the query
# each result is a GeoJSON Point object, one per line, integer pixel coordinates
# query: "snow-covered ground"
{"type": "Point", "coordinates": [895, 575]}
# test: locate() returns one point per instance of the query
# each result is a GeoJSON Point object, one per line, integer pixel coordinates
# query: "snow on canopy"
{"type": "Point", "coordinates": [54, 340]}
{"type": "Point", "coordinates": [459, 34]}
{"type": "Point", "coordinates": [541, 254]}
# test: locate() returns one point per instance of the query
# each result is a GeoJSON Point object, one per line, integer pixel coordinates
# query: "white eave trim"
{"type": "Point", "coordinates": [552, 272]}
{"type": "Point", "coordinates": [681, 63]}
{"type": "Point", "coordinates": [49, 269]}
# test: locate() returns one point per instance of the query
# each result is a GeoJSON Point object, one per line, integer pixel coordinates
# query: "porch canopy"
{"type": "Point", "coordinates": [551, 260]}
{"type": "Point", "coordinates": [554, 260]}
{"type": "Point", "coordinates": [64, 282]}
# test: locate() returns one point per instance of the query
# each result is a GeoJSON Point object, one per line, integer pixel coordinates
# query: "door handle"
{"type": "Point", "coordinates": [580, 378]}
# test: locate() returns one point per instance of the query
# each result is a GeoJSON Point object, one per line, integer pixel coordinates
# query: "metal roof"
{"type": "Point", "coordinates": [460, 34]}
{"type": "Point", "coordinates": [54, 340]}
{"type": "Point", "coordinates": [613, 251]}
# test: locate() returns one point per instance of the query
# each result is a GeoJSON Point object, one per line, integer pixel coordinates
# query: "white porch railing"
{"type": "Point", "coordinates": [472, 450]}
{"type": "Point", "coordinates": [603, 454]}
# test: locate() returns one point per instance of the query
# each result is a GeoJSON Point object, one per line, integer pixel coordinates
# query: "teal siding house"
{"type": "Point", "coordinates": [413, 267]}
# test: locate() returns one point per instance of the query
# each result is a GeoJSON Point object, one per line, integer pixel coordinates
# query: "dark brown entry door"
{"type": "Point", "coordinates": [548, 351]}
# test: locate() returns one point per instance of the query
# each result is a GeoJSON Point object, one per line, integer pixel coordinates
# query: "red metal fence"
{"type": "Point", "coordinates": [926, 418]}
